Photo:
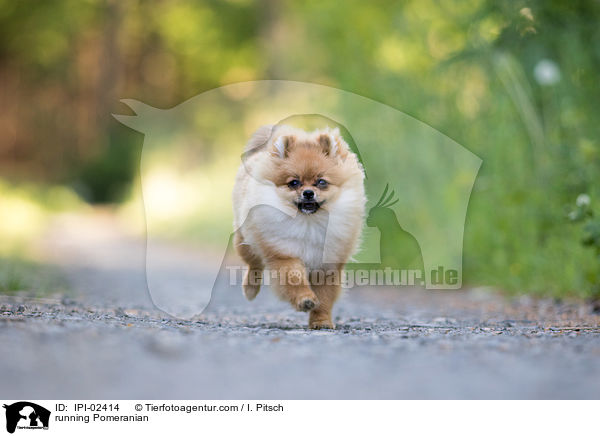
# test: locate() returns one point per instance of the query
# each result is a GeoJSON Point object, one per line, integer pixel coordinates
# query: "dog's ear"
{"type": "Point", "coordinates": [332, 143]}
{"type": "Point", "coordinates": [282, 145]}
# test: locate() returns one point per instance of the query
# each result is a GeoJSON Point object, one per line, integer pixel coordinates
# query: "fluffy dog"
{"type": "Point", "coordinates": [298, 205]}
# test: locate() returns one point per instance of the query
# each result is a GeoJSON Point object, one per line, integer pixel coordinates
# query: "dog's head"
{"type": "Point", "coordinates": [309, 170]}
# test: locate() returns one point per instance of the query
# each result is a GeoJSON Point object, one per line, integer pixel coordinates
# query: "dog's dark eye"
{"type": "Point", "coordinates": [321, 183]}
{"type": "Point", "coordinates": [294, 184]}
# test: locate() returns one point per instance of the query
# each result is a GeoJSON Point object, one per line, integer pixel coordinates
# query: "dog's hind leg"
{"type": "Point", "coordinates": [253, 277]}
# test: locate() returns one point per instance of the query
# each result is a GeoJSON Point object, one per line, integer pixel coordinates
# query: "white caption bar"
{"type": "Point", "coordinates": [299, 417]}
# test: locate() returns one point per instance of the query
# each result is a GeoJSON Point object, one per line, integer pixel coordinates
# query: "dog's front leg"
{"type": "Point", "coordinates": [291, 283]}
{"type": "Point", "coordinates": [327, 292]}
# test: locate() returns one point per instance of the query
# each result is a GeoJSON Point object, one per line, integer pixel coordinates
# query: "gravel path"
{"type": "Point", "coordinates": [107, 341]}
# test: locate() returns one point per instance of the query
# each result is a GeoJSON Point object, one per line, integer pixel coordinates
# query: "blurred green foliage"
{"type": "Point", "coordinates": [516, 82]}
{"type": "Point", "coordinates": [583, 213]}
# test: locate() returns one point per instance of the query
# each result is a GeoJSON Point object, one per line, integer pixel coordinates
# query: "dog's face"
{"type": "Point", "coordinates": [308, 169]}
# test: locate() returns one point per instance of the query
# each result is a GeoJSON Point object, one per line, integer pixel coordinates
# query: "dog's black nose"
{"type": "Point", "coordinates": [308, 194]}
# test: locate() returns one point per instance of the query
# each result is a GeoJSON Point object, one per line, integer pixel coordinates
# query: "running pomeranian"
{"type": "Point", "coordinates": [298, 203]}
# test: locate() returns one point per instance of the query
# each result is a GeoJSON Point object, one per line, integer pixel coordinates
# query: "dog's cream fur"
{"type": "Point", "coordinates": [273, 230]}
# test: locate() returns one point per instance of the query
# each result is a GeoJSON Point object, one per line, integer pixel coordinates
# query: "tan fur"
{"type": "Point", "coordinates": [273, 232]}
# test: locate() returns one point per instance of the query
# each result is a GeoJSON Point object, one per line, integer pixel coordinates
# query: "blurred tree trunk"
{"type": "Point", "coordinates": [100, 89]}
{"type": "Point", "coordinates": [272, 38]}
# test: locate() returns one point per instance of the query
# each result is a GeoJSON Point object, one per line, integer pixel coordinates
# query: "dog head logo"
{"type": "Point", "coordinates": [418, 183]}
{"type": "Point", "coordinates": [26, 415]}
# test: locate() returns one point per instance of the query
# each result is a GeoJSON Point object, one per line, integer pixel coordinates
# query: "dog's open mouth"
{"type": "Point", "coordinates": [309, 206]}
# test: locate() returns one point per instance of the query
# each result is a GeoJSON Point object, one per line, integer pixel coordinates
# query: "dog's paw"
{"type": "Point", "coordinates": [251, 291]}
{"type": "Point", "coordinates": [306, 302]}
{"type": "Point", "coordinates": [320, 319]}
{"type": "Point", "coordinates": [321, 324]}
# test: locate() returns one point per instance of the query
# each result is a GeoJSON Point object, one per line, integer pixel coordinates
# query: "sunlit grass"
{"type": "Point", "coordinates": [27, 210]}
{"type": "Point", "coordinates": [26, 277]}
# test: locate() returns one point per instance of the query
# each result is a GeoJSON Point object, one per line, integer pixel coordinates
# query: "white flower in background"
{"type": "Point", "coordinates": [546, 72]}
{"type": "Point", "coordinates": [573, 215]}
{"type": "Point", "coordinates": [582, 200]}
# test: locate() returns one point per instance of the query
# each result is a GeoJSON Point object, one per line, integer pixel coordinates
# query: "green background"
{"type": "Point", "coordinates": [515, 82]}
